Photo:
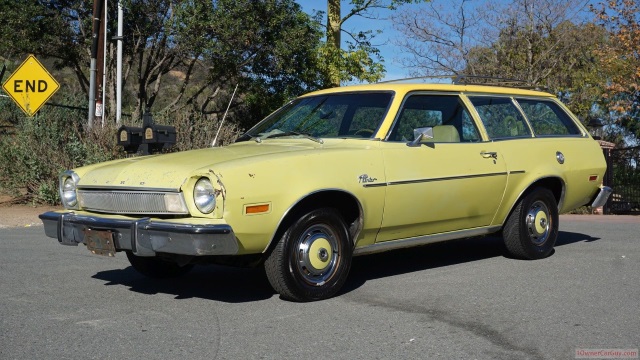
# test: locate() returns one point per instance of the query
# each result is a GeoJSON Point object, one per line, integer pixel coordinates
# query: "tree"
{"type": "Point", "coordinates": [562, 61]}
{"type": "Point", "coordinates": [441, 37]}
{"type": "Point", "coordinates": [202, 49]}
{"type": "Point", "coordinates": [361, 60]}
{"type": "Point", "coordinates": [179, 54]}
{"type": "Point", "coordinates": [532, 41]}
{"type": "Point", "coordinates": [438, 37]}
{"type": "Point", "coordinates": [620, 60]}
{"type": "Point", "coordinates": [57, 30]}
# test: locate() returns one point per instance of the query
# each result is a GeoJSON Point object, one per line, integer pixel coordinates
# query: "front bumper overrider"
{"type": "Point", "coordinates": [144, 237]}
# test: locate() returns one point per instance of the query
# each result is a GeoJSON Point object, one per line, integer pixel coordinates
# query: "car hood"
{"type": "Point", "coordinates": [170, 171]}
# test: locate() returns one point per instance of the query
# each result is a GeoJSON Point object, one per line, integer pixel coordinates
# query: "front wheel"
{"type": "Point", "coordinates": [154, 267]}
{"type": "Point", "coordinates": [312, 258]}
{"type": "Point", "coordinates": [532, 228]}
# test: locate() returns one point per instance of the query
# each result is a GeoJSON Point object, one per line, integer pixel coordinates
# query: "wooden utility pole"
{"type": "Point", "coordinates": [96, 47]}
{"type": "Point", "coordinates": [100, 67]}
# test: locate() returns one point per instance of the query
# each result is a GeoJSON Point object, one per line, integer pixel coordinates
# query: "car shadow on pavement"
{"type": "Point", "coordinates": [566, 238]}
{"type": "Point", "coordinates": [212, 282]}
{"type": "Point", "coordinates": [437, 255]}
{"type": "Point", "coordinates": [236, 285]}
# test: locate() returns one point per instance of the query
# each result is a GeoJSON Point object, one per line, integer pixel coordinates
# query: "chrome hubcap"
{"type": "Point", "coordinates": [317, 254]}
{"type": "Point", "coordinates": [538, 223]}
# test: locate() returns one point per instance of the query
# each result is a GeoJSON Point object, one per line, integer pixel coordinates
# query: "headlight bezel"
{"type": "Point", "coordinates": [204, 195]}
{"type": "Point", "coordinates": [69, 195]}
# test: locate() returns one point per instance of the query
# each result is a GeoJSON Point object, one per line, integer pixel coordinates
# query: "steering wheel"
{"type": "Point", "coordinates": [364, 132]}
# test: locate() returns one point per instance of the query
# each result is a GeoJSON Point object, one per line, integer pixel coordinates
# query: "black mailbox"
{"type": "Point", "coordinates": [130, 138]}
{"type": "Point", "coordinates": [159, 137]}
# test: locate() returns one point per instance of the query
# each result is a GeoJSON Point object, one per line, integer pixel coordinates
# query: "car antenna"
{"type": "Point", "coordinates": [213, 144]}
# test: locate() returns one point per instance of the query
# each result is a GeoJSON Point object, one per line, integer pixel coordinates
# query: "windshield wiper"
{"type": "Point", "coordinates": [245, 137]}
{"type": "Point", "coordinates": [294, 133]}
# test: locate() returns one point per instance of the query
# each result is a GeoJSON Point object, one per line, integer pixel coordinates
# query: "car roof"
{"type": "Point", "coordinates": [408, 87]}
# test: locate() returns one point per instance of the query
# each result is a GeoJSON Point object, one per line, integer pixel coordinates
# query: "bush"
{"type": "Point", "coordinates": [33, 151]}
{"type": "Point", "coordinates": [37, 149]}
{"type": "Point", "coordinates": [196, 130]}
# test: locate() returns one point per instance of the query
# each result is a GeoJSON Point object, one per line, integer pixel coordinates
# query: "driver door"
{"type": "Point", "coordinates": [451, 182]}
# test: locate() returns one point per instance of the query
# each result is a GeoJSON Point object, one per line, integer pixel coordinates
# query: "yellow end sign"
{"type": "Point", "coordinates": [31, 85]}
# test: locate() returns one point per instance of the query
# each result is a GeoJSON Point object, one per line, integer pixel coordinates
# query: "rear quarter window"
{"type": "Point", "coordinates": [547, 118]}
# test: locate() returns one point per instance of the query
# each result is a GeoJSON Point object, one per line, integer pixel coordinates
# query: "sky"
{"type": "Point", "coordinates": [390, 53]}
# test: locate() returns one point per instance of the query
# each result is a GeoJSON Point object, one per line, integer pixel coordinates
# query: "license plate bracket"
{"type": "Point", "coordinates": [100, 242]}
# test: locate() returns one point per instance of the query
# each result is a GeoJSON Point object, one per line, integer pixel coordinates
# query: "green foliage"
{"type": "Point", "coordinates": [361, 60]}
{"type": "Point", "coordinates": [48, 29]}
{"type": "Point", "coordinates": [268, 47]}
{"type": "Point", "coordinates": [178, 54]}
{"type": "Point", "coordinates": [539, 43]}
{"type": "Point", "coordinates": [560, 59]}
{"type": "Point", "coordinates": [41, 147]}
{"type": "Point", "coordinates": [358, 63]}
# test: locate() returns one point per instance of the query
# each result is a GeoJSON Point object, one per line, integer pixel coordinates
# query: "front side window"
{"type": "Point", "coordinates": [446, 114]}
{"type": "Point", "coordinates": [500, 117]}
{"type": "Point", "coordinates": [547, 118]}
{"type": "Point", "coordinates": [344, 115]}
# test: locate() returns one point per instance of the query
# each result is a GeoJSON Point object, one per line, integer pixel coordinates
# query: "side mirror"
{"type": "Point", "coordinates": [420, 135]}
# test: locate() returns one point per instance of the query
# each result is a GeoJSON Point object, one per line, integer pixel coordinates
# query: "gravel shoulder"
{"type": "Point", "coordinates": [22, 215]}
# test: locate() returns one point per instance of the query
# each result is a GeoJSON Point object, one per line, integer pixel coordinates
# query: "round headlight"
{"type": "Point", "coordinates": [204, 196]}
{"type": "Point", "coordinates": [69, 196]}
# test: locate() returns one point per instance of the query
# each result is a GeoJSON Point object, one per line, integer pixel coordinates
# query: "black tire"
{"type": "Point", "coordinates": [157, 268]}
{"type": "Point", "coordinates": [532, 228]}
{"type": "Point", "coordinates": [312, 258]}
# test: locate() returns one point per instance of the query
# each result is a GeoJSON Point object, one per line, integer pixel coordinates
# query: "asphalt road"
{"type": "Point", "coordinates": [457, 300]}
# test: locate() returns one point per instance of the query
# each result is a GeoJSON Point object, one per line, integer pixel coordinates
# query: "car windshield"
{"type": "Point", "coordinates": [347, 115]}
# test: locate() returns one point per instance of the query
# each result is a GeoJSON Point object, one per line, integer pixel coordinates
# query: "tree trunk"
{"type": "Point", "coordinates": [333, 38]}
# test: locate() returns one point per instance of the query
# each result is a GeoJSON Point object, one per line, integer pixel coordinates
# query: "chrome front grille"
{"type": "Point", "coordinates": [132, 202]}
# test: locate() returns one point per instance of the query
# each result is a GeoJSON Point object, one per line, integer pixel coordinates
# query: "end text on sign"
{"type": "Point", "coordinates": [29, 86]}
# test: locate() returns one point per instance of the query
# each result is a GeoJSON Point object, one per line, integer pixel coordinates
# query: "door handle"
{"type": "Point", "coordinates": [489, 154]}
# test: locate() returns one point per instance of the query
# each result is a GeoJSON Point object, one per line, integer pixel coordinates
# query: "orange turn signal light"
{"type": "Point", "coordinates": [257, 209]}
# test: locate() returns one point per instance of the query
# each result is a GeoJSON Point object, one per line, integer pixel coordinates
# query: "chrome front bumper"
{"type": "Point", "coordinates": [144, 237]}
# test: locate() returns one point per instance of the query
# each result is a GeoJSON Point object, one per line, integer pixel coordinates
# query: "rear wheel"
{"type": "Point", "coordinates": [532, 228]}
{"type": "Point", "coordinates": [312, 258]}
{"type": "Point", "coordinates": [155, 267]}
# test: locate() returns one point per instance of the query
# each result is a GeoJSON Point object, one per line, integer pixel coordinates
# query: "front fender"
{"type": "Point", "coordinates": [280, 182]}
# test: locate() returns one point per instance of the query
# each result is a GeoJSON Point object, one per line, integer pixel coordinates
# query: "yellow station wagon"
{"type": "Point", "coordinates": [339, 173]}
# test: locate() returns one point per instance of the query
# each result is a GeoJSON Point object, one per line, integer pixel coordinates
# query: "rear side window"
{"type": "Point", "coordinates": [547, 118]}
{"type": "Point", "coordinates": [501, 118]}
